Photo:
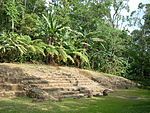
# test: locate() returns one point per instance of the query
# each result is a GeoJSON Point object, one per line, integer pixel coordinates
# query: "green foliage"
{"type": "Point", "coordinates": [13, 8]}
{"type": "Point", "coordinates": [14, 46]}
{"type": "Point", "coordinates": [107, 50]}
{"type": "Point", "coordinates": [29, 25]}
{"type": "Point", "coordinates": [60, 36]}
{"type": "Point", "coordinates": [79, 32]}
{"type": "Point", "coordinates": [12, 43]}
{"type": "Point", "coordinates": [139, 50]}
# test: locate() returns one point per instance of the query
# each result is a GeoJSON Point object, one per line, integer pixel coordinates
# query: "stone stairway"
{"type": "Point", "coordinates": [11, 86]}
{"type": "Point", "coordinates": [56, 83]}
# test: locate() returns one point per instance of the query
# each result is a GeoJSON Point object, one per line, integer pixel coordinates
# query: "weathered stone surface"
{"type": "Point", "coordinates": [42, 83]}
{"type": "Point", "coordinates": [114, 82]}
{"type": "Point", "coordinates": [37, 93]}
{"type": "Point", "coordinates": [106, 91]}
{"type": "Point", "coordinates": [12, 93]}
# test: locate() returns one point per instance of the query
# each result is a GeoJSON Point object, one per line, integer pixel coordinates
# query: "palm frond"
{"type": "Point", "coordinates": [83, 57]}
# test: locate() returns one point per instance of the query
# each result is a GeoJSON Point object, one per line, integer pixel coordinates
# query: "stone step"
{"type": "Point", "coordinates": [12, 93]}
{"type": "Point", "coordinates": [34, 82]}
{"type": "Point", "coordinates": [66, 77]}
{"type": "Point", "coordinates": [82, 84]}
{"type": "Point", "coordinates": [60, 88]}
{"type": "Point", "coordinates": [97, 93]}
{"type": "Point", "coordinates": [73, 96]}
{"type": "Point", "coordinates": [93, 88]}
{"type": "Point", "coordinates": [60, 84]}
{"type": "Point", "coordinates": [66, 85]}
{"type": "Point", "coordinates": [12, 80]}
{"type": "Point", "coordinates": [72, 88]}
{"type": "Point", "coordinates": [58, 77]}
{"type": "Point", "coordinates": [12, 87]}
{"type": "Point", "coordinates": [39, 85]}
{"type": "Point", "coordinates": [31, 78]}
{"type": "Point", "coordinates": [85, 82]}
{"type": "Point", "coordinates": [52, 85]}
{"type": "Point", "coordinates": [58, 81]}
{"type": "Point", "coordinates": [17, 79]}
{"type": "Point", "coordinates": [52, 89]}
{"type": "Point", "coordinates": [90, 86]}
{"type": "Point", "coordinates": [78, 79]}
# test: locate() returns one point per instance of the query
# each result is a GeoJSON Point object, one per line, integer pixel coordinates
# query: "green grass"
{"type": "Point", "coordinates": [122, 101]}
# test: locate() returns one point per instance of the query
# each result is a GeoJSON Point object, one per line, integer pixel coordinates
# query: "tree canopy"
{"type": "Point", "coordinates": [81, 33]}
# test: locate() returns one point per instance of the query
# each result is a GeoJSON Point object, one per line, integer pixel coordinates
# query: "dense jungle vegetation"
{"type": "Point", "coordinates": [81, 33]}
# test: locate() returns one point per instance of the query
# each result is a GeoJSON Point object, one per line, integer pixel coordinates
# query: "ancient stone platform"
{"type": "Point", "coordinates": [19, 80]}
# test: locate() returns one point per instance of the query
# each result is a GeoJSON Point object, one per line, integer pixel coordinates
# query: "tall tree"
{"type": "Point", "coordinates": [140, 50]}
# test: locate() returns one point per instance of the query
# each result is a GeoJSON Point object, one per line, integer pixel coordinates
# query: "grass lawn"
{"type": "Point", "coordinates": [122, 101]}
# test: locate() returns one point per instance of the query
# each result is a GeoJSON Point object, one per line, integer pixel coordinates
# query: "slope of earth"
{"type": "Point", "coordinates": [108, 80]}
{"type": "Point", "coordinates": [55, 82]}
